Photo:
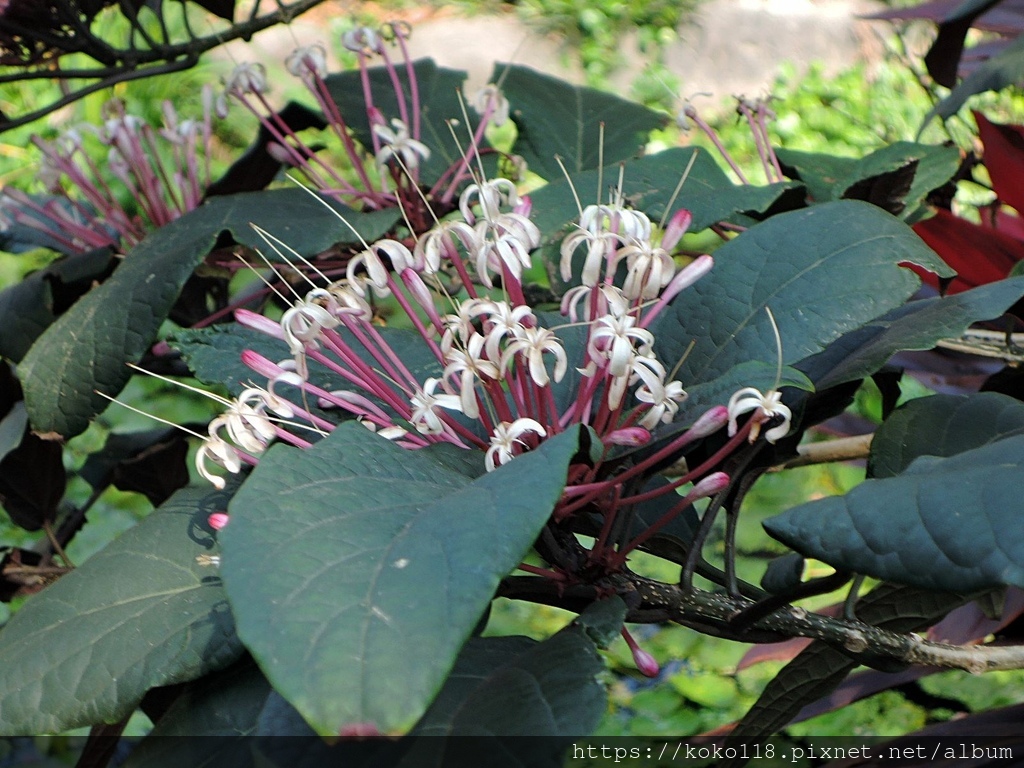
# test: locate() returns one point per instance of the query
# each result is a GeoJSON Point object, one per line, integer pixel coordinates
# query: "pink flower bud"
{"type": "Point", "coordinates": [687, 276]}
{"type": "Point", "coordinates": [646, 663]}
{"type": "Point", "coordinates": [709, 423]}
{"type": "Point", "coordinates": [524, 206]}
{"type": "Point", "coordinates": [677, 226]}
{"type": "Point", "coordinates": [280, 153]}
{"type": "Point", "coordinates": [218, 520]}
{"type": "Point", "coordinates": [629, 436]}
{"type": "Point", "coordinates": [260, 364]}
{"type": "Point", "coordinates": [259, 323]}
{"type": "Point", "coordinates": [710, 485]}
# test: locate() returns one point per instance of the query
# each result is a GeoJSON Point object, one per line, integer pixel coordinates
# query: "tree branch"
{"type": "Point", "coordinates": [714, 614]}
{"type": "Point", "coordinates": [830, 451]}
{"type": "Point", "coordinates": [122, 65]}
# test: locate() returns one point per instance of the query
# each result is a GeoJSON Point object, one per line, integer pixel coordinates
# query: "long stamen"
{"type": "Point", "coordinates": [778, 347]}
{"type": "Point", "coordinates": [677, 190]}
{"type": "Point", "coordinates": [186, 430]}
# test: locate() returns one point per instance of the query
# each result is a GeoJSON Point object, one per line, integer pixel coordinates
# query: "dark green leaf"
{"type": "Point", "coordinates": [12, 428]}
{"type": "Point", "coordinates": [1004, 69]}
{"type": "Point", "coordinates": [152, 463]}
{"type": "Point", "coordinates": [439, 90]}
{"type": "Point", "coordinates": [85, 351]}
{"type": "Point", "coordinates": [832, 178]}
{"type": "Point", "coordinates": [557, 119]}
{"type": "Point", "coordinates": [943, 58]}
{"type": "Point", "coordinates": [141, 613]}
{"type": "Point", "coordinates": [914, 326]}
{"type": "Point", "coordinates": [29, 307]}
{"type": "Point", "coordinates": [942, 425]}
{"type": "Point", "coordinates": [819, 171]}
{"type": "Point", "coordinates": [783, 574]}
{"type": "Point", "coordinates": [814, 673]}
{"type": "Point", "coordinates": [602, 621]}
{"type": "Point", "coordinates": [823, 272]}
{"type": "Point", "coordinates": [506, 688]}
{"type": "Point", "coordinates": [226, 704]}
{"type": "Point", "coordinates": [945, 523]}
{"type": "Point", "coordinates": [512, 686]}
{"type": "Point", "coordinates": [384, 559]}
{"type": "Point", "coordinates": [32, 481]}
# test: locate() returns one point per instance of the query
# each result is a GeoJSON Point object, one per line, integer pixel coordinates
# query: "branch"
{"type": "Point", "coordinates": [123, 65]}
{"type": "Point", "coordinates": [714, 613]}
{"type": "Point", "coordinates": [123, 76]}
{"type": "Point", "coordinates": [829, 451]}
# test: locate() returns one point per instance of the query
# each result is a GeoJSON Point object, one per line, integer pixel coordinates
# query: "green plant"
{"type": "Point", "coordinates": [374, 485]}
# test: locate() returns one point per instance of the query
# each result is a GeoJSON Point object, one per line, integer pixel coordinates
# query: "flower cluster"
{"type": "Point", "coordinates": [164, 171]}
{"type": "Point", "coordinates": [499, 380]}
{"type": "Point", "coordinates": [390, 177]}
{"type": "Point", "coordinates": [501, 376]}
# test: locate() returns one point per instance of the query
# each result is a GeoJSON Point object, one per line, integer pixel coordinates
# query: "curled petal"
{"type": "Point", "coordinates": [425, 403]}
{"type": "Point", "coordinates": [506, 436]}
{"type": "Point", "coordinates": [221, 454]}
{"type": "Point", "coordinates": [245, 78]}
{"type": "Point", "coordinates": [765, 406]}
{"type": "Point", "coordinates": [362, 40]}
{"type": "Point", "coordinates": [307, 61]}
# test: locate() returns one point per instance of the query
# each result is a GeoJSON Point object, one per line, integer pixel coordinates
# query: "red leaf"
{"type": "Point", "coordinates": [1004, 159]}
{"type": "Point", "coordinates": [980, 255]}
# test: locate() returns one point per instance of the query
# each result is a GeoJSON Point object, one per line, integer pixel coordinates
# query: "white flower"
{"type": "Point", "coordinates": [307, 61]}
{"type": "Point", "coordinates": [504, 439]}
{"type": "Point", "coordinates": [663, 398]}
{"type": "Point", "coordinates": [533, 343]}
{"type": "Point", "coordinates": [397, 254]}
{"type": "Point", "coordinates": [650, 270]}
{"type": "Point", "coordinates": [437, 242]}
{"type": "Point", "coordinates": [624, 222]}
{"type": "Point", "coordinates": [491, 97]}
{"type": "Point", "coordinates": [599, 244]}
{"type": "Point", "coordinates": [303, 324]}
{"type": "Point", "coordinates": [500, 249]}
{"type": "Point", "coordinates": [459, 327]}
{"type": "Point", "coordinates": [425, 403]}
{"type": "Point", "coordinates": [344, 301]}
{"type": "Point", "coordinates": [221, 454]}
{"type": "Point", "coordinates": [362, 40]}
{"type": "Point", "coordinates": [502, 322]}
{"type": "Point", "coordinates": [468, 365]}
{"type": "Point", "coordinates": [766, 406]}
{"type": "Point", "coordinates": [398, 143]}
{"type": "Point", "coordinates": [247, 77]}
{"type": "Point", "coordinates": [612, 337]}
{"type": "Point", "coordinates": [490, 195]}
{"type": "Point", "coordinates": [597, 300]}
